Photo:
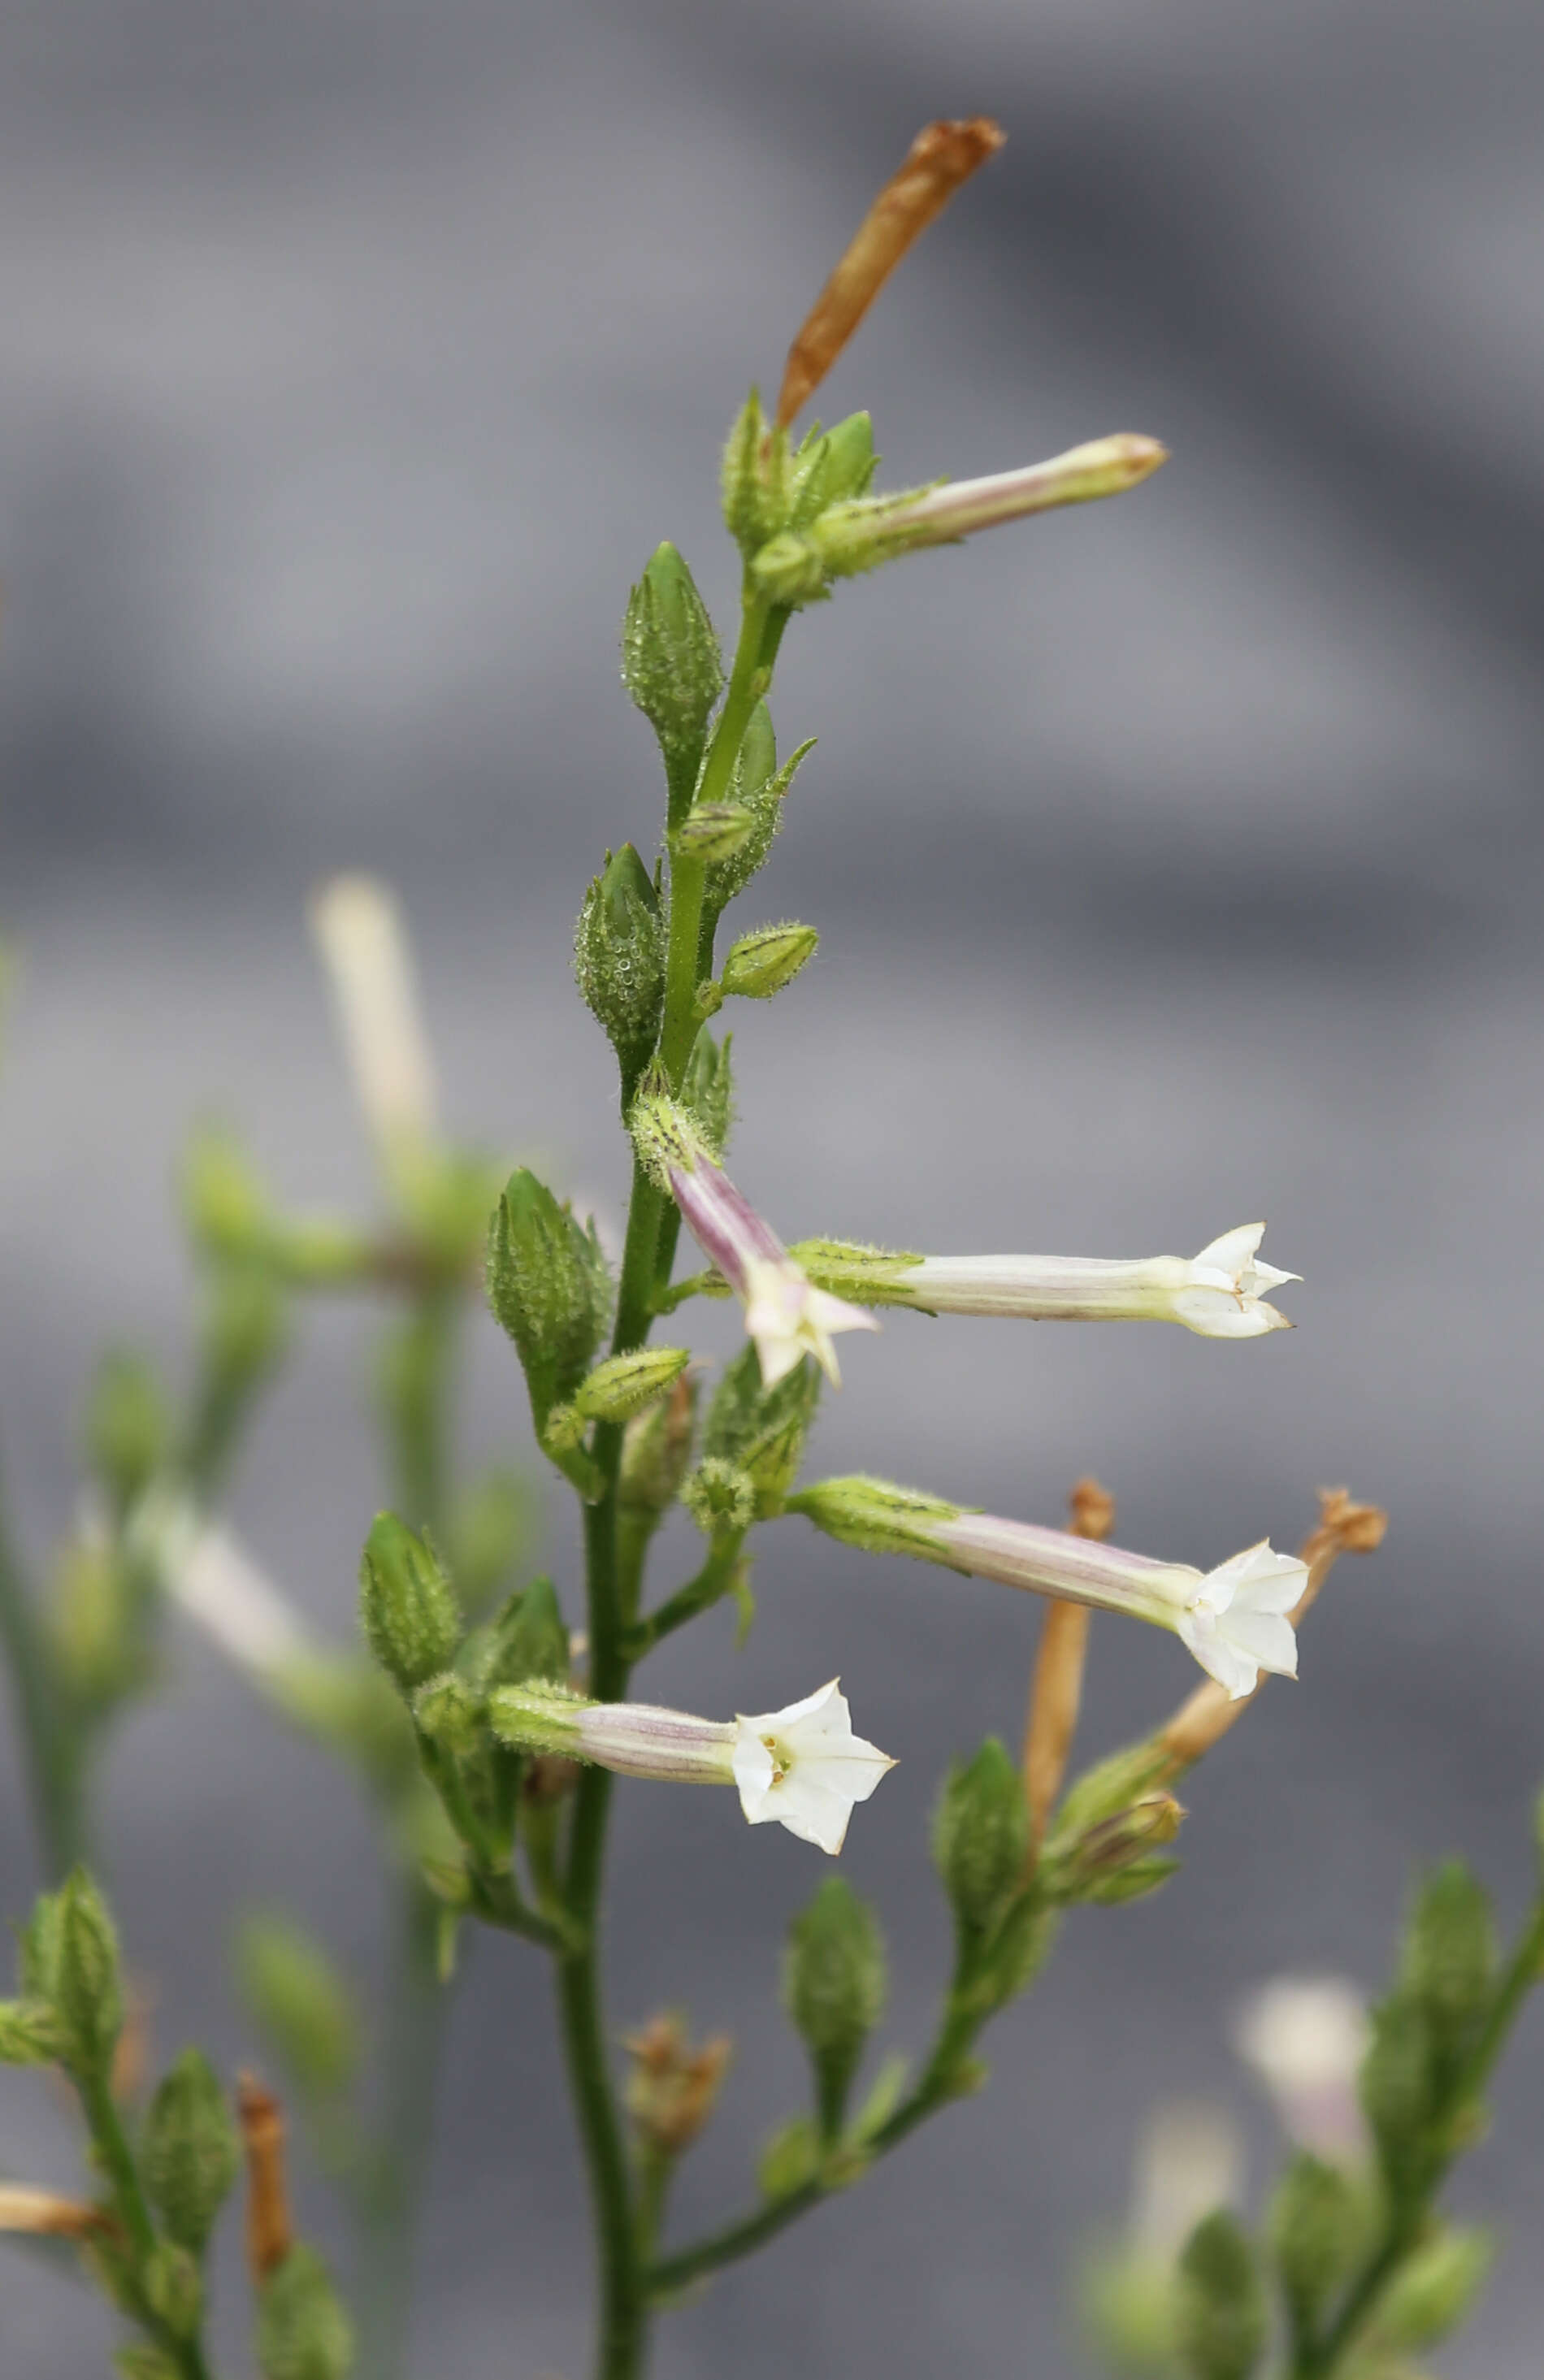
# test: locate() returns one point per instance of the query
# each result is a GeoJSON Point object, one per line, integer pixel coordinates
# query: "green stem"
{"type": "Point", "coordinates": [1406, 2225]}
{"type": "Point", "coordinates": [747, 681]}
{"type": "Point", "coordinates": [51, 1745]}
{"type": "Point", "coordinates": [936, 2087]}
{"type": "Point", "coordinates": [415, 2035]}
{"type": "Point", "coordinates": [116, 2159]}
{"type": "Point", "coordinates": [711, 1581]}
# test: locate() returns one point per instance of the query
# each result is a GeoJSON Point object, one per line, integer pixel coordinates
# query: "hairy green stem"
{"type": "Point", "coordinates": [936, 2087]}
{"type": "Point", "coordinates": [1318, 2360]}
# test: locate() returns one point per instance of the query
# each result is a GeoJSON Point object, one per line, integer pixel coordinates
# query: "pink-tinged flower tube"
{"type": "Point", "coordinates": [1232, 1619]}
{"type": "Point", "coordinates": [786, 1316]}
{"type": "Point", "coordinates": [795, 567]}
{"type": "Point", "coordinates": [802, 1766]}
{"type": "Point", "coordinates": [1218, 1294]}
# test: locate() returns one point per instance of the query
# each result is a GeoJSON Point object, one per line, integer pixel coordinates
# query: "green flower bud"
{"type": "Point", "coordinates": [302, 2330]}
{"type": "Point", "coordinates": [1220, 2319]}
{"type": "Point", "coordinates": [1398, 2088]}
{"type": "Point", "coordinates": [623, 1385]}
{"type": "Point", "coordinates": [173, 2290]}
{"type": "Point", "coordinates": [406, 1605]}
{"type": "Point", "coordinates": [1317, 2228]}
{"type": "Point", "coordinates": [450, 1713]}
{"type": "Point", "coordinates": [982, 1835]}
{"type": "Point", "coordinates": [656, 1449]}
{"type": "Point", "coordinates": [1449, 1955]}
{"type": "Point", "coordinates": [1103, 1791]}
{"type": "Point", "coordinates": [761, 1431]}
{"type": "Point", "coordinates": [760, 786]}
{"type": "Point", "coordinates": [1435, 2288]}
{"type": "Point", "coordinates": [246, 1329]}
{"type": "Point", "coordinates": [129, 1427]}
{"type": "Point", "coordinates": [38, 1949]}
{"type": "Point", "coordinates": [758, 964]}
{"type": "Point", "coordinates": [757, 482]}
{"type": "Point", "coordinates": [88, 1988]}
{"type": "Point", "coordinates": [1016, 1953]}
{"type": "Point", "coordinates": [708, 1092]}
{"type": "Point", "coordinates": [93, 1619]}
{"type": "Point", "coordinates": [227, 1207]}
{"type": "Point", "coordinates": [834, 1988]}
{"type": "Point", "coordinates": [190, 2152]}
{"type": "Point", "coordinates": [719, 1497]}
{"type": "Point", "coordinates": [671, 666]}
{"type": "Point", "coordinates": [29, 2033]}
{"type": "Point", "coordinates": [301, 2003]}
{"type": "Point", "coordinates": [715, 830]}
{"type": "Point", "coordinates": [619, 948]}
{"type": "Point", "coordinates": [549, 1286]}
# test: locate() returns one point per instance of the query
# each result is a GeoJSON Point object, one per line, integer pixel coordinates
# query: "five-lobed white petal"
{"type": "Point", "coordinates": [1223, 1297]}
{"type": "Point", "coordinates": [789, 1317]}
{"type": "Point", "coordinates": [805, 1767]}
{"type": "Point", "coordinates": [1236, 1623]}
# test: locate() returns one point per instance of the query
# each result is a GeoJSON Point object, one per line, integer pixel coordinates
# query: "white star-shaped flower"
{"type": "Point", "coordinates": [805, 1767]}
{"type": "Point", "coordinates": [789, 1317]}
{"type": "Point", "coordinates": [1236, 1623]}
{"type": "Point", "coordinates": [1223, 1296]}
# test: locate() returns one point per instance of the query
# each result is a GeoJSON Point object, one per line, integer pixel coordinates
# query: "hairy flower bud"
{"type": "Point", "coordinates": [714, 831]}
{"type": "Point", "coordinates": [303, 2332]}
{"type": "Point", "coordinates": [406, 1605]}
{"type": "Point", "coordinates": [624, 1385]}
{"type": "Point", "coordinates": [549, 1287]}
{"type": "Point", "coordinates": [1319, 2217]}
{"type": "Point", "coordinates": [656, 1449]}
{"type": "Point", "coordinates": [87, 1989]}
{"type": "Point", "coordinates": [190, 2150]}
{"type": "Point", "coordinates": [834, 1988]}
{"type": "Point", "coordinates": [1449, 1954]}
{"type": "Point", "coordinates": [982, 1835]}
{"type": "Point", "coordinates": [29, 2033]}
{"type": "Point", "coordinates": [1220, 2315]}
{"type": "Point", "coordinates": [671, 666]}
{"type": "Point", "coordinates": [619, 958]}
{"type": "Point", "coordinates": [758, 788]}
{"type": "Point", "coordinates": [758, 964]}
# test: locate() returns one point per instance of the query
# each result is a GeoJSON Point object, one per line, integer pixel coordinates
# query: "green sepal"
{"type": "Point", "coordinates": [760, 787]}
{"type": "Point", "coordinates": [876, 1515]}
{"type": "Point", "coordinates": [87, 1985]}
{"type": "Point", "coordinates": [714, 831]}
{"type": "Point", "coordinates": [1447, 1957]}
{"type": "Point", "coordinates": [1318, 2227]}
{"type": "Point", "coordinates": [866, 1276]}
{"type": "Point", "coordinates": [129, 1427]}
{"type": "Point", "coordinates": [1400, 2091]}
{"type": "Point", "coordinates": [833, 466]}
{"type": "Point", "coordinates": [1435, 2288]}
{"type": "Point", "coordinates": [526, 1640]}
{"type": "Point", "coordinates": [761, 1431]}
{"type": "Point", "coordinates": [30, 2034]}
{"type": "Point", "coordinates": [756, 479]}
{"type": "Point", "coordinates": [708, 1091]}
{"type": "Point", "coordinates": [790, 2159]}
{"type": "Point", "coordinates": [173, 2289]}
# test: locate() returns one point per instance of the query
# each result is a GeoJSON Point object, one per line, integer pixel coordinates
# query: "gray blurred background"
{"type": "Point", "coordinates": [1175, 861]}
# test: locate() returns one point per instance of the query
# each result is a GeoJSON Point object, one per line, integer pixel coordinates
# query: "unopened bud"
{"type": "Point", "coordinates": [173, 2289]}
{"type": "Point", "coordinates": [1435, 2288]}
{"type": "Point", "coordinates": [128, 1427]}
{"type": "Point", "coordinates": [303, 2332]}
{"type": "Point", "coordinates": [758, 964]}
{"type": "Point", "coordinates": [656, 1450]}
{"type": "Point", "coordinates": [190, 2150]}
{"type": "Point", "coordinates": [980, 1835]}
{"type": "Point", "coordinates": [227, 1207]}
{"type": "Point", "coordinates": [1398, 2085]}
{"type": "Point", "coordinates": [834, 1988]}
{"type": "Point", "coordinates": [407, 1604]}
{"type": "Point", "coordinates": [1113, 1861]}
{"type": "Point", "coordinates": [549, 1287]}
{"type": "Point", "coordinates": [671, 665]}
{"type": "Point", "coordinates": [526, 1639]}
{"type": "Point", "coordinates": [761, 1431]}
{"type": "Point", "coordinates": [833, 466]}
{"type": "Point", "coordinates": [1317, 2217]}
{"type": "Point", "coordinates": [714, 831]}
{"type": "Point", "coordinates": [760, 786]}
{"type": "Point", "coordinates": [623, 1385]}
{"type": "Point", "coordinates": [1221, 2317]}
{"type": "Point", "coordinates": [1449, 1954]}
{"type": "Point", "coordinates": [719, 1497]}
{"type": "Point", "coordinates": [708, 1092]}
{"type": "Point", "coordinates": [619, 957]}
{"type": "Point", "coordinates": [300, 2002]}
{"type": "Point", "coordinates": [87, 1989]}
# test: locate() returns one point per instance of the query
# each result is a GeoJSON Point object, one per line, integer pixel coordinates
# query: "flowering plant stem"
{"type": "Point", "coordinates": [50, 1750]}
{"type": "Point", "coordinates": [1318, 2358]}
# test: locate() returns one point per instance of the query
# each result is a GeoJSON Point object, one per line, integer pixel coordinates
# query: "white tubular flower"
{"type": "Point", "coordinates": [359, 929]}
{"type": "Point", "coordinates": [237, 1606]}
{"type": "Point", "coordinates": [1218, 1294]}
{"type": "Point", "coordinates": [805, 1767]}
{"type": "Point", "coordinates": [1305, 2037]}
{"type": "Point", "coordinates": [786, 1316]}
{"type": "Point", "coordinates": [802, 1766]}
{"type": "Point", "coordinates": [1232, 1619]}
